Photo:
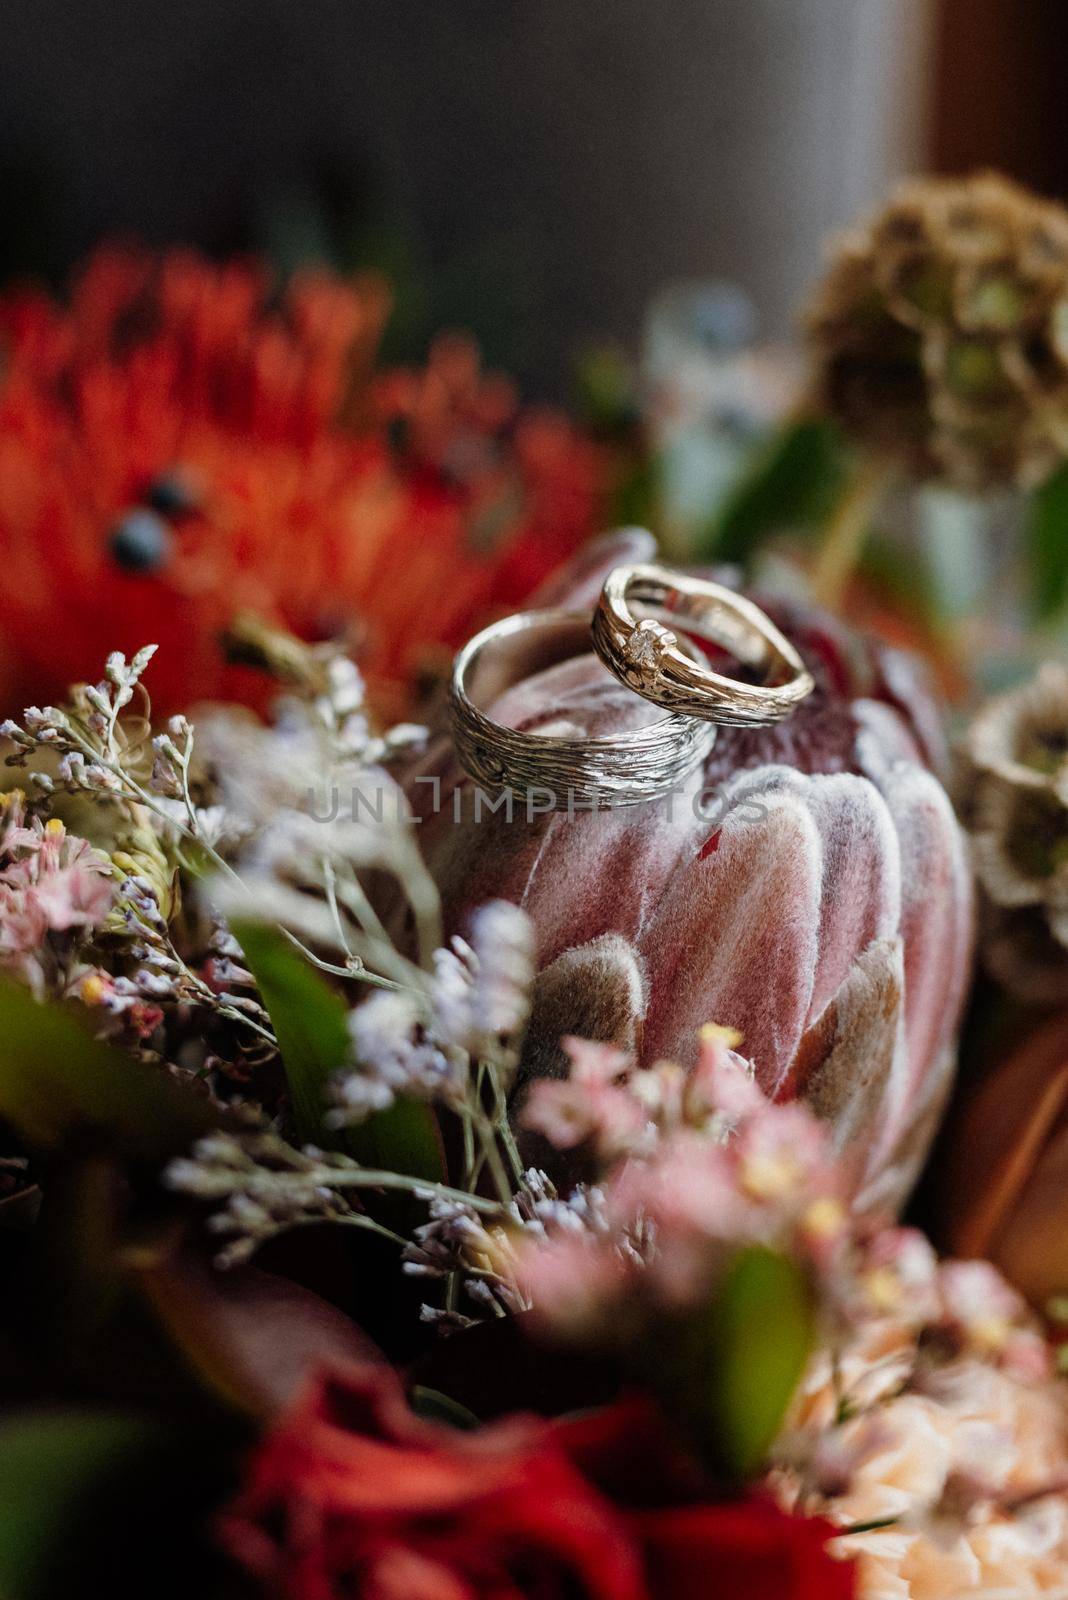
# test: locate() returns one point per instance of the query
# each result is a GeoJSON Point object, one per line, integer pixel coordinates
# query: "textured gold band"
{"type": "Point", "coordinates": [634, 634]}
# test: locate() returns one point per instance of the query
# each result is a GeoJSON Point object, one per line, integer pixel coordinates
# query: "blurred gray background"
{"type": "Point", "coordinates": [534, 169]}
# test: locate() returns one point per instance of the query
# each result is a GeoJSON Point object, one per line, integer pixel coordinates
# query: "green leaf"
{"type": "Point", "coordinates": [794, 480]}
{"type": "Point", "coordinates": [1047, 539]}
{"type": "Point", "coordinates": [307, 1016]}
{"type": "Point", "coordinates": [114, 1502]}
{"type": "Point", "coordinates": [434, 1406]}
{"type": "Point", "coordinates": [761, 1335]}
{"type": "Point", "coordinates": [56, 1080]}
{"type": "Point", "coordinates": [309, 1021]}
{"type": "Point", "coordinates": [53, 1468]}
{"type": "Point", "coordinates": [404, 1139]}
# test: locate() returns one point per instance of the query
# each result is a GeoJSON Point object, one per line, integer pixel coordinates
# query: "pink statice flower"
{"type": "Point", "coordinates": [721, 1089]}
{"type": "Point", "coordinates": [50, 882]}
{"type": "Point", "coordinates": [615, 1109]}
{"type": "Point", "coordinates": [781, 1157]}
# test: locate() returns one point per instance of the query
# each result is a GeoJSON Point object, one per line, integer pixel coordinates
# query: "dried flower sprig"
{"type": "Point", "coordinates": [91, 750]}
{"type": "Point", "coordinates": [103, 756]}
{"type": "Point", "coordinates": [310, 805]}
{"type": "Point", "coordinates": [266, 1186]}
{"type": "Point", "coordinates": [455, 1042]}
{"type": "Point", "coordinates": [94, 751]}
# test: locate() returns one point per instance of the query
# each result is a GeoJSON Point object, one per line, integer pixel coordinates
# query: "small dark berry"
{"type": "Point", "coordinates": [398, 432]}
{"type": "Point", "coordinates": [173, 494]}
{"type": "Point", "coordinates": [141, 541]}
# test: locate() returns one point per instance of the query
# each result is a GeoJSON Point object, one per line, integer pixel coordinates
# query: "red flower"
{"type": "Point", "coordinates": [352, 1496]}
{"type": "Point", "coordinates": [179, 442]}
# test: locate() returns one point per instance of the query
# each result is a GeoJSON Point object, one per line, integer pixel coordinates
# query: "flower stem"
{"type": "Point", "coordinates": [843, 542]}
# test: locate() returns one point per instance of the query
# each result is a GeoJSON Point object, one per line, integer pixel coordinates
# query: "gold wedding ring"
{"type": "Point", "coordinates": [640, 629]}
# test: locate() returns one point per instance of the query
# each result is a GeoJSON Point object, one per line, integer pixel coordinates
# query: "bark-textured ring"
{"type": "Point", "coordinates": [598, 770]}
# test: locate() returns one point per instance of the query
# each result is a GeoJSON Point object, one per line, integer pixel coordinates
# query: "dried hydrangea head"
{"type": "Point", "coordinates": [1014, 795]}
{"type": "Point", "coordinates": [940, 332]}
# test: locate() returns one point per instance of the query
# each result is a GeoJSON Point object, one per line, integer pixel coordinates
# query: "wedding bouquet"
{"type": "Point", "coordinates": [412, 1197]}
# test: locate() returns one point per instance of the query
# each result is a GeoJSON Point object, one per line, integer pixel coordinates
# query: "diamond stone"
{"type": "Point", "coordinates": [646, 647]}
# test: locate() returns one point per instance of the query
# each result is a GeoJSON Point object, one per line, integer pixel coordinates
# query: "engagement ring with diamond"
{"type": "Point", "coordinates": [641, 630]}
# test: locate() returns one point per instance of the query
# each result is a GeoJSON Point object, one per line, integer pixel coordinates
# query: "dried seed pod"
{"type": "Point", "coordinates": [1014, 798]}
{"type": "Point", "coordinates": [939, 333]}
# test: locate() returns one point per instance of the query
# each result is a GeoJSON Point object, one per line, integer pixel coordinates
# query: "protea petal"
{"type": "Point", "coordinates": [596, 991]}
{"type": "Point", "coordinates": [863, 1039]}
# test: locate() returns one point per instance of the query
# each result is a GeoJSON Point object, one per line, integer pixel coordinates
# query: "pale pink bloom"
{"type": "Point", "coordinates": [783, 1156]}
{"type": "Point", "coordinates": [571, 1112]}
{"type": "Point", "coordinates": [688, 1197]}
{"type": "Point", "coordinates": [596, 1065]}
{"type": "Point", "coordinates": [572, 1281]}
{"type": "Point", "coordinates": [973, 1471]}
{"type": "Point", "coordinates": [872, 1366]}
{"type": "Point", "coordinates": [978, 1306]}
{"type": "Point", "coordinates": [958, 1535]}
{"type": "Point", "coordinates": [832, 1466]}
{"type": "Point", "coordinates": [52, 881]}
{"type": "Point", "coordinates": [77, 895]}
{"type": "Point", "coordinates": [593, 1105]}
{"type": "Point", "coordinates": [697, 1193]}
{"type": "Point", "coordinates": [896, 1276]}
{"type": "Point", "coordinates": [910, 1470]}
{"type": "Point", "coordinates": [1027, 1355]}
{"type": "Point", "coordinates": [722, 1082]}
{"type": "Point", "coordinates": [23, 923]}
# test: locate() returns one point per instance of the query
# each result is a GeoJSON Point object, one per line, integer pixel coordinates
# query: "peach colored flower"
{"type": "Point", "coordinates": [972, 1478]}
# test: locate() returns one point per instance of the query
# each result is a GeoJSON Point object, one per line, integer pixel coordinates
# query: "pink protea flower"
{"type": "Point", "coordinates": [809, 888]}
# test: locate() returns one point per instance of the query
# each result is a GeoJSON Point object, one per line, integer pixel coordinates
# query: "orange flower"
{"type": "Point", "coordinates": [179, 443]}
